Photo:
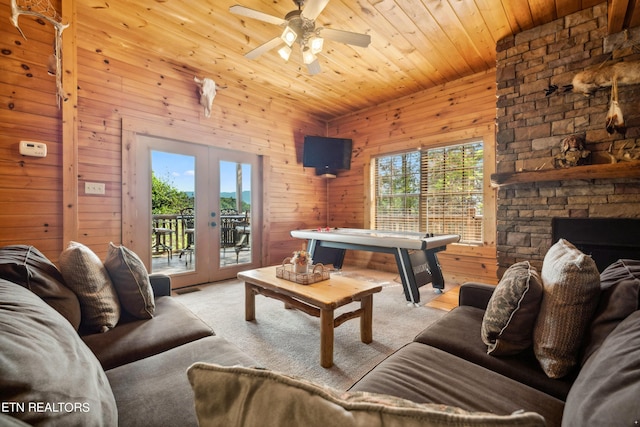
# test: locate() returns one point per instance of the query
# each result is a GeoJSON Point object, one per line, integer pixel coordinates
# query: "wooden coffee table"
{"type": "Point", "coordinates": [318, 299]}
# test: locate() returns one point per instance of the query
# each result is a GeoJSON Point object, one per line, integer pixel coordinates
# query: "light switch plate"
{"type": "Point", "coordinates": [94, 188]}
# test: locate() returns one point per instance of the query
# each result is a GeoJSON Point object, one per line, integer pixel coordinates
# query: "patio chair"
{"type": "Point", "coordinates": [161, 234]}
{"type": "Point", "coordinates": [188, 219]}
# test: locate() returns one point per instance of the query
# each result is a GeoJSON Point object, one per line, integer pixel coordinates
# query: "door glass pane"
{"type": "Point", "coordinates": [235, 213]}
{"type": "Point", "coordinates": [172, 209]}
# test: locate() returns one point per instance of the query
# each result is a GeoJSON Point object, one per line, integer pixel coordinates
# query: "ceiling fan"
{"type": "Point", "coordinates": [300, 26]}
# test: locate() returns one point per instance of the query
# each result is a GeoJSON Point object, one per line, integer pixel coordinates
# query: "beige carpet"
{"type": "Point", "coordinates": [289, 340]}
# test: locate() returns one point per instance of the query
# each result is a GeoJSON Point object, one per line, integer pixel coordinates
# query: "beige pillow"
{"type": "Point", "coordinates": [85, 274]}
{"type": "Point", "coordinates": [131, 280]}
{"type": "Point", "coordinates": [233, 396]}
{"type": "Point", "coordinates": [571, 283]}
{"type": "Point", "coordinates": [507, 325]}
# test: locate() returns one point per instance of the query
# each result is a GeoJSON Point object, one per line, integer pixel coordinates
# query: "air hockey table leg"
{"type": "Point", "coordinates": [411, 292]}
{"type": "Point", "coordinates": [405, 268]}
{"type": "Point", "coordinates": [436, 272]}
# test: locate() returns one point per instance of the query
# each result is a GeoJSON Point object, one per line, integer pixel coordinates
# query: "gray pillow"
{"type": "Point", "coordinates": [43, 362]}
{"type": "Point", "coordinates": [85, 275]}
{"type": "Point", "coordinates": [507, 325]}
{"type": "Point", "coordinates": [28, 267]}
{"type": "Point", "coordinates": [620, 292]}
{"type": "Point", "coordinates": [571, 284]}
{"type": "Point", "coordinates": [607, 389]}
{"type": "Point", "coordinates": [131, 281]}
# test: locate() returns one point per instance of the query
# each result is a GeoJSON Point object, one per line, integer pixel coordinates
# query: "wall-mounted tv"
{"type": "Point", "coordinates": [326, 155]}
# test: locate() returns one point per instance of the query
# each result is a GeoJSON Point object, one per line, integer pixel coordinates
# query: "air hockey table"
{"type": "Point", "coordinates": [415, 253]}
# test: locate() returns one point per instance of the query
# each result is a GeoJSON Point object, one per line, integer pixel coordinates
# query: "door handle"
{"type": "Point", "coordinates": [213, 223]}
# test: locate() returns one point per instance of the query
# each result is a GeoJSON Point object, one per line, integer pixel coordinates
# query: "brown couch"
{"type": "Point", "coordinates": [556, 348]}
{"type": "Point", "coordinates": [136, 373]}
{"type": "Point", "coordinates": [132, 375]}
{"type": "Point", "coordinates": [448, 363]}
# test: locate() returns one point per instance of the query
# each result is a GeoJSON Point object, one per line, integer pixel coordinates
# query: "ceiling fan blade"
{"type": "Point", "coordinates": [314, 67]}
{"type": "Point", "coordinates": [314, 8]}
{"type": "Point", "coordinates": [255, 14]}
{"type": "Point", "coordinates": [347, 37]}
{"type": "Point", "coordinates": [263, 48]}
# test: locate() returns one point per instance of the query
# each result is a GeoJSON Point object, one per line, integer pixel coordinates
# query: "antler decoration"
{"type": "Point", "coordinates": [59, 27]}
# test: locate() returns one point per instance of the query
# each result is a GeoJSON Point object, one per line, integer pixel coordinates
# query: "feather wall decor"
{"type": "Point", "coordinates": [615, 119]}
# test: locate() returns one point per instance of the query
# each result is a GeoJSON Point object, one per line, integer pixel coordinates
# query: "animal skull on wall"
{"type": "Point", "coordinates": [207, 93]}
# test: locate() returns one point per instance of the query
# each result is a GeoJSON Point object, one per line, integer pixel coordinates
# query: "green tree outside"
{"type": "Point", "coordinates": [167, 199]}
{"type": "Point", "coordinates": [437, 190]}
{"type": "Point", "coordinates": [229, 203]}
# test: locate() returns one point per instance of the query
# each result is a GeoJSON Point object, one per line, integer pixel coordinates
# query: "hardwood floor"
{"type": "Point", "coordinates": [447, 300]}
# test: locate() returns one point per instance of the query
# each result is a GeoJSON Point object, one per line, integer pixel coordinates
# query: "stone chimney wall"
{"type": "Point", "coordinates": [531, 123]}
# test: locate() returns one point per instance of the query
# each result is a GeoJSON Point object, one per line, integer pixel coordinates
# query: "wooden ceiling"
{"type": "Point", "coordinates": [415, 44]}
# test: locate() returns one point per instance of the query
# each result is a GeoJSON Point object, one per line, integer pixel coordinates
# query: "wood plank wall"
{"type": "Point", "coordinates": [113, 85]}
{"type": "Point", "coordinates": [30, 187]}
{"type": "Point", "coordinates": [453, 113]}
{"type": "Point", "coordinates": [126, 84]}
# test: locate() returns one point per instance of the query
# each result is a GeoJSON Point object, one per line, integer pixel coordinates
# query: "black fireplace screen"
{"type": "Point", "coordinates": [606, 240]}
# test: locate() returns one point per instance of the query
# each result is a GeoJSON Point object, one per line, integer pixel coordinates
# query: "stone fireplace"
{"type": "Point", "coordinates": [535, 111]}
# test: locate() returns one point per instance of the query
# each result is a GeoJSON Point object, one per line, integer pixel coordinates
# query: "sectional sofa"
{"type": "Point", "coordinates": [530, 352]}
{"type": "Point", "coordinates": [594, 383]}
{"type": "Point", "coordinates": [556, 348]}
{"type": "Point", "coordinates": [55, 369]}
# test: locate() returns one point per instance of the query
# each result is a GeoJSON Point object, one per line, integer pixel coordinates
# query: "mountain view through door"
{"type": "Point", "coordinates": [201, 212]}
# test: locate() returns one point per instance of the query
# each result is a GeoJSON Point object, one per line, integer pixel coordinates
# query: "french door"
{"type": "Point", "coordinates": [203, 205]}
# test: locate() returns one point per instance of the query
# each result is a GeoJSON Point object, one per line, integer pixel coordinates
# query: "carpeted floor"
{"type": "Point", "coordinates": [289, 340]}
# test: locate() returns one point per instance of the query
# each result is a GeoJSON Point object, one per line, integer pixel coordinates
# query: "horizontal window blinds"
{"type": "Point", "coordinates": [451, 191]}
{"type": "Point", "coordinates": [432, 191]}
{"type": "Point", "coordinates": [397, 189]}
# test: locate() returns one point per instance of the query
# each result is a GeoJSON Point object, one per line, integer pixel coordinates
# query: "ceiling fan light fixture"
{"type": "Point", "coordinates": [316, 44]}
{"type": "Point", "coordinates": [289, 36]}
{"type": "Point", "coordinates": [307, 56]}
{"type": "Point", "coordinates": [284, 52]}
{"type": "Point", "coordinates": [300, 27]}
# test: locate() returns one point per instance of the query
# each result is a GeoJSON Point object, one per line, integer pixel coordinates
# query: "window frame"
{"type": "Point", "coordinates": [470, 226]}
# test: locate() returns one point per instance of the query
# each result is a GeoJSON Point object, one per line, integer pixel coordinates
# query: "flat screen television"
{"type": "Point", "coordinates": [326, 155]}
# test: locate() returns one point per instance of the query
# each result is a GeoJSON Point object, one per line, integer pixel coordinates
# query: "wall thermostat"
{"type": "Point", "coordinates": [35, 149]}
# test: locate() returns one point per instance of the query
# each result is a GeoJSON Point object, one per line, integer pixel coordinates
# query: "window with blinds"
{"type": "Point", "coordinates": [438, 190]}
{"type": "Point", "coordinates": [397, 192]}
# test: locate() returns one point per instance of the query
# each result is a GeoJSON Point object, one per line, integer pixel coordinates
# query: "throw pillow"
{"type": "Point", "coordinates": [507, 325]}
{"type": "Point", "coordinates": [620, 294]}
{"type": "Point", "coordinates": [226, 396]}
{"type": "Point", "coordinates": [85, 274]}
{"type": "Point", "coordinates": [606, 391]}
{"type": "Point", "coordinates": [571, 286]}
{"type": "Point", "coordinates": [28, 267]}
{"type": "Point", "coordinates": [48, 376]}
{"type": "Point", "coordinates": [131, 280]}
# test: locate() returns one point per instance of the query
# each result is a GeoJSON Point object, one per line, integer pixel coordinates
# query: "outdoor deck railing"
{"type": "Point", "coordinates": [173, 235]}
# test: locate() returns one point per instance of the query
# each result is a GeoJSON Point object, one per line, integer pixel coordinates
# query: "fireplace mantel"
{"type": "Point", "coordinates": [600, 171]}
